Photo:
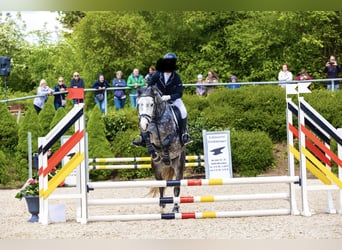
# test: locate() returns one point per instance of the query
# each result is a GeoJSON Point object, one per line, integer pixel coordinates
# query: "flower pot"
{"type": "Point", "coordinates": [33, 207]}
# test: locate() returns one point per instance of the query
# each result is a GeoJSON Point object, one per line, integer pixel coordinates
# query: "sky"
{"type": "Point", "coordinates": [35, 20]}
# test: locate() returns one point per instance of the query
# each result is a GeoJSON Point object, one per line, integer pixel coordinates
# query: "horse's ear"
{"type": "Point", "coordinates": [141, 90]}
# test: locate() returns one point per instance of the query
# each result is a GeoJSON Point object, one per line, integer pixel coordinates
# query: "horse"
{"type": "Point", "coordinates": [159, 127]}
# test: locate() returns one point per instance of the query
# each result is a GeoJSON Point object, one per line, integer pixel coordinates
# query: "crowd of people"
{"type": "Point", "coordinates": [331, 68]}
{"type": "Point", "coordinates": [136, 80]}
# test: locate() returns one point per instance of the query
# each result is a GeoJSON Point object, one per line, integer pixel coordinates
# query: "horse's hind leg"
{"type": "Point", "coordinates": [161, 192]}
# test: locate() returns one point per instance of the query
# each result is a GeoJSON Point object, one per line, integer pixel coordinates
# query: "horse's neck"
{"type": "Point", "coordinates": [161, 110]}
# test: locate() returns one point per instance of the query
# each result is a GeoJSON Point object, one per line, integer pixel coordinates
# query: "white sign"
{"type": "Point", "coordinates": [296, 88]}
{"type": "Point", "coordinates": [218, 160]}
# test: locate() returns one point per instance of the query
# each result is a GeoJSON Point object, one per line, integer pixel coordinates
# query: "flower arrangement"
{"type": "Point", "coordinates": [30, 188]}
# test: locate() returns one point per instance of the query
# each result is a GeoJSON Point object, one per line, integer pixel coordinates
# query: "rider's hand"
{"type": "Point", "coordinates": [166, 97]}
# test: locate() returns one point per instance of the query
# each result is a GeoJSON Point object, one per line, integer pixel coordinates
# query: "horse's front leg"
{"type": "Point", "coordinates": [161, 195]}
{"type": "Point", "coordinates": [166, 146]}
{"type": "Point", "coordinates": [179, 171]}
{"type": "Point", "coordinates": [176, 192]}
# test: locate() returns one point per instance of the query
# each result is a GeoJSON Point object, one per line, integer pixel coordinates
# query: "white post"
{"type": "Point", "coordinates": [43, 184]}
{"type": "Point", "coordinates": [302, 161]}
{"type": "Point", "coordinates": [29, 153]}
{"type": "Point", "coordinates": [330, 206]}
{"type": "Point", "coordinates": [339, 151]}
{"type": "Point", "coordinates": [82, 173]}
{"type": "Point", "coordinates": [291, 168]}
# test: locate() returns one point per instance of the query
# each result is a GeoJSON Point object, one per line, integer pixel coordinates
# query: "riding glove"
{"type": "Point", "coordinates": [166, 97]}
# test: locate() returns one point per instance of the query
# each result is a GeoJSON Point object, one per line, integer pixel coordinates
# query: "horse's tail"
{"type": "Point", "coordinates": [167, 174]}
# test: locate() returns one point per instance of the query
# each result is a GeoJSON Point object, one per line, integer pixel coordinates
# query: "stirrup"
{"type": "Point", "coordinates": [186, 139]}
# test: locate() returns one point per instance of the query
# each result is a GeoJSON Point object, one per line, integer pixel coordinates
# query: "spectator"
{"type": "Point", "coordinates": [233, 84]}
{"type": "Point", "coordinates": [60, 98]}
{"type": "Point", "coordinates": [332, 69]}
{"type": "Point", "coordinates": [211, 78]}
{"type": "Point", "coordinates": [151, 71]}
{"type": "Point", "coordinates": [119, 95]}
{"type": "Point", "coordinates": [134, 81]}
{"type": "Point", "coordinates": [303, 75]}
{"type": "Point", "coordinates": [100, 84]}
{"type": "Point", "coordinates": [44, 91]}
{"type": "Point", "coordinates": [285, 75]}
{"type": "Point", "coordinates": [77, 82]}
{"type": "Point", "coordinates": [200, 88]}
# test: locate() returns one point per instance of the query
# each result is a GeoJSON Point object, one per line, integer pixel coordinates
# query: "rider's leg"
{"type": "Point", "coordinates": [185, 137]}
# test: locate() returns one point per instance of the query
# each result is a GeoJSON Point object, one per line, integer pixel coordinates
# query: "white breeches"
{"type": "Point", "coordinates": [180, 105]}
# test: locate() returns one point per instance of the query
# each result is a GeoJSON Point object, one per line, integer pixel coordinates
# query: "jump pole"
{"type": "Point", "coordinates": [190, 215]}
{"type": "Point", "coordinates": [195, 182]}
{"type": "Point", "coordinates": [193, 199]}
{"type": "Point", "coordinates": [189, 199]}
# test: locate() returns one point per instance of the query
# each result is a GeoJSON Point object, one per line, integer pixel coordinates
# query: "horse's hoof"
{"type": "Point", "coordinates": [166, 160]}
{"type": "Point", "coordinates": [175, 210]}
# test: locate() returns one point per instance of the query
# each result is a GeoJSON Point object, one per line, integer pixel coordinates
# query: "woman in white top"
{"type": "Point", "coordinates": [285, 75]}
{"type": "Point", "coordinates": [44, 91]}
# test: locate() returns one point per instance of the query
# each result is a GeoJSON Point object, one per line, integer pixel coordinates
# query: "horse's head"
{"type": "Point", "coordinates": [149, 100]}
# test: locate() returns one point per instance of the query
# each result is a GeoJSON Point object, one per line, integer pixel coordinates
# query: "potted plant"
{"type": "Point", "coordinates": [30, 191]}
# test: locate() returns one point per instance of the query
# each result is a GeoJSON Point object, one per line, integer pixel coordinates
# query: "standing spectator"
{"type": "Point", "coordinates": [119, 95]}
{"type": "Point", "coordinates": [134, 81]}
{"type": "Point", "coordinates": [285, 75]}
{"type": "Point", "coordinates": [100, 84]}
{"type": "Point", "coordinates": [303, 75]}
{"type": "Point", "coordinates": [332, 69]}
{"type": "Point", "coordinates": [200, 88]}
{"type": "Point", "coordinates": [77, 82]}
{"type": "Point", "coordinates": [151, 71]}
{"type": "Point", "coordinates": [233, 84]}
{"type": "Point", "coordinates": [44, 90]}
{"type": "Point", "coordinates": [60, 98]}
{"type": "Point", "coordinates": [211, 78]}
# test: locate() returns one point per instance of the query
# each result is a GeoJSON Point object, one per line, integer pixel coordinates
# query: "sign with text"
{"type": "Point", "coordinates": [217, 153]}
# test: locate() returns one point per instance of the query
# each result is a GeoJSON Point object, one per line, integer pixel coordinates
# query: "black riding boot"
{"type": "Point", "coordinates": [186, 139]}
{"type": "Point", "coordinates": [141, 142]}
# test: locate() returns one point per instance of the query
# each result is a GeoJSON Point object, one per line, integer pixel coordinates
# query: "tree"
{"type": "Point", "coordinates": [46, 116]}
{"type": "Point", "coordinates": [98, 146]}
{"type": "Point", "coordinates": [8, 130]}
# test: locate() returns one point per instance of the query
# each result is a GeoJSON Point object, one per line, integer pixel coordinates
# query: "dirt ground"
{"type": "Point", "coordinates": [320, 225]}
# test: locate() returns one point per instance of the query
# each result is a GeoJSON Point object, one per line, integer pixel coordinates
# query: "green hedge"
{"type": "Point", "coordinates": [255, 115]}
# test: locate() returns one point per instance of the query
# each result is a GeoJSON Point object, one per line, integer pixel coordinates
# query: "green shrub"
{"type": "Point", "coordinates": [120, 120]}
{"type": "Point", "coordinates": [8, 130]}
{"type": "Point", "coordinates": [251, 152]}
{"type": "Point", "coordinates": [123, 147]}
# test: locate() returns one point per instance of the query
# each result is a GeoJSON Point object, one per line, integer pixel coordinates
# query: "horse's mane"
{"type": "Point", "coordinates": [149, 91]}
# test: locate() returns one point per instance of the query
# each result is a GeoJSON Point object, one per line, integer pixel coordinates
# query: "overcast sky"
{"type": "Point", "coordinates": [35, 20]}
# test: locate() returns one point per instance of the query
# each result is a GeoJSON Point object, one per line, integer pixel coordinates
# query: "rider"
{"type": "Point", "coordinates": [171, 87]}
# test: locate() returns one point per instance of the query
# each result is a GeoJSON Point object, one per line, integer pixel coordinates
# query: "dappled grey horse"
{"type": "Point", "coordinates": [158, 126]}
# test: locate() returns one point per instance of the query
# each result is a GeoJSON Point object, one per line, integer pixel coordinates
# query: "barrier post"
{"type": "Point", "coordinates": [330, 202]}
{"type": "Point", "coordinates": [302, 162]}
{"type": "Point", "coordinates": [339, 150]}
{"type": "Point", "coordinates": [291, 167]}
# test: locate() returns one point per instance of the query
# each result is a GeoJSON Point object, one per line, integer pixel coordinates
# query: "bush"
{"type": "Point", "coordinates": [251, 152]}
{"type": "Point", "coordinates": [123, 147]}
